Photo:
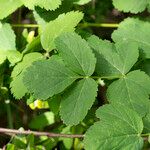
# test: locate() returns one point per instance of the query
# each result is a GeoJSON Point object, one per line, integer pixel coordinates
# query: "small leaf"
{"type": "Point", "coordinates": [42, 120]}
{"type": "Point", "coordinates": [7, 38]}
{"type": "Point", "coordinates": [8, 6]}
{"type": "Point", "coordinates": [47, 4]}
{"type": "Point", "coordinates": [118, 129]}
{"type": "Point", "coordinates": [77, 100]}
{"type": "Point", "coordinates": [64, 23]}
{"type": "Point", "coordinates": [81, 2]}
{"type": "Point", "coordinates": [54, 104]}
{"type": "Point", "coordinates": [17, 86]}
{"type": "Point", "coordinates": [42, 16]}
{"type": "Point", "coordinates": [48, 77]}
{"type": "Point", "coordinates": [133, 6]}
{"type": "Point", "coordinates": [134, 30]}
{"type": "Point", "coordinates": [7, 44]}
{"type": "Point", "coordinates": [76, 53]}
{"type": "Point", "coordinates": [132, 90]}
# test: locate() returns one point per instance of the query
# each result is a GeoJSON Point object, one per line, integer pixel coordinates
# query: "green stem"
{"type": "Point", "coordinates": [25, 25]}
{"type": "Point", "coordinates": [145, 135]}
{"type": "Point", "coordinates": [105, 25]}
{"type": "Point", "coordinates": [9, 116]}
{"type": "Point", "coordinates": [106, 77]}
{"type": "Point", "coordinates": [83, 25]}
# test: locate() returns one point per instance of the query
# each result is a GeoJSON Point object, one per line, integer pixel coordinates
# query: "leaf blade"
{"type": "Point", "coordinates": [77, 101]}
{"type": "Point", "coordinates": [76, 53]}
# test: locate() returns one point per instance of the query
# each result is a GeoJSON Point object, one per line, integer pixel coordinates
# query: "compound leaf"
{"type": "Point", "coordinates": [118, 129]}
{"type": "Point", "coordinates": [133, 6]}
{"type": "Point", "coordinates": [132, 90]}
{"type": "Point", "coordinates": [76, 53]}
{"type": "Point", "coordinates": [134, 30]}
{"type": "Point", "coordinates": [113, 60]}
{"type": "Point", "coordinates": [64, 23]}
{"type": "Point", "coordinates": [77, 100]}
{"type": "Point", "coordinates": [48, 77]}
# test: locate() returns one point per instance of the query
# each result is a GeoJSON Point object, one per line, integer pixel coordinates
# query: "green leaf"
{"type": "Point", "coordinates": [131, 90]}
{"type": "Point", "coordinates": [54, 104]}
{"type": "Point", "coordinates": [113, 60]}
{"type": "Point", "coordinates": [133, 6]}
{"type": "Point", "coordinates": [146, 122]}
{"type": "Point", "coordinates": [26, 62]}
{"type": "Point", "coordinates": [81, 2]}
{"type": "Point", "coordinates": [66, 141]}
{"type": "Point", "coordinates": [134, 30]}
{"type": "Point", "coordinates": [17, 86]}
{"type": "Point", "coordinates": [145, 66]}
{"type": "Point", "coordinates": [7, 44]}
{"type": "Point", "coordinates": [76, 53]}
{"type": "Point", "coordinates": [118, 129]}
{"type": "Point", "coordinates": [47, 4]}
{"type": "Point", "coordinates": [35, 45]}
{"type": "Point", "coordinates": [42, 120]}
{"type": "Point", "coordinates": [64, 23]}
{"type": "Point", "coordinates": [43, 16]}
{"type": "Point", "coordinates": [77, 100]}
{"type": "Point", "coordinates": [30, 141]}
{"type": "Point", "coordinates": [48, 77]}
{"type": "Point", "coordinates": [12, 55]}
{"type": "Point", "coordinates": [8, 6]}
{"type": "Point", "coordinates": [10, 146]}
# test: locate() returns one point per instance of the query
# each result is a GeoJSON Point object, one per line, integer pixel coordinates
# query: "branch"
{"type": "Point", "coordinates": [36, 133]}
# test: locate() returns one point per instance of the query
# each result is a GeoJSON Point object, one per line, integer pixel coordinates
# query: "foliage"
{"type": "Point", "coordinates": [56, 78]}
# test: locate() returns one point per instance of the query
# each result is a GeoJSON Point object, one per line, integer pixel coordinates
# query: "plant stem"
{"type": "Point", "coordinates": [9, 116]}
{"type": "Point", "coordinates": [84, 25]}
{"type": "Point", "coordinates": [25, 25]}
{"type": "Point", "coordinates": [105, 25]}
{"type": "Point", "coordinates": [36, 133]}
